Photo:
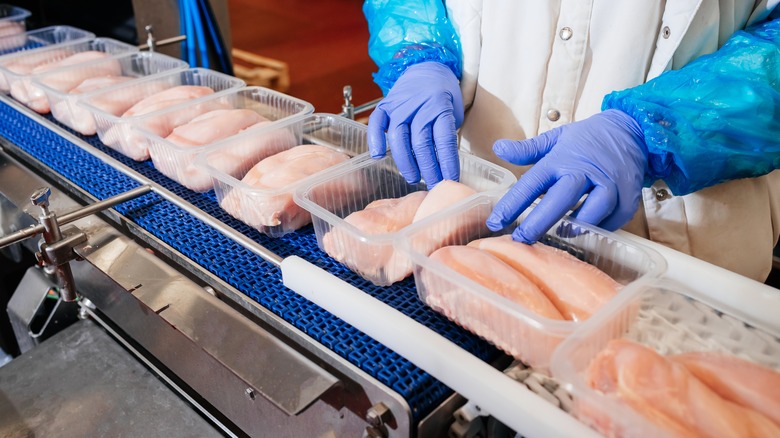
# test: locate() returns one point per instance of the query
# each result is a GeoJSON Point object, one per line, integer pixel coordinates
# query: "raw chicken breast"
{"type": "Point", "coordinates": [668, 395]}
{"type": "Point", "coordinates": [35, 98]}
{"type": "Point", "coordinates": [132, 143]}
{"type": "Point", "coordinates": [576, 288]}
{"type": "Point", "coordinates": [24, 63]}
{"type": "Point", "coordinates": [67, 112]}
{"type": "Point", "coordinates": [207, 128]}
{"type": "Point", "coordinates": [387, 216]}
{"type": "Point", "coordinates": [212, 126]}
{"type": "Point", "coordinates": [11, 36]}
{"type": "Point", "coordinates": [382, 216]}
{"type": "Point", "coordinates": [474, 312]}
{"type": "Point", "coordinates": [275, 173]}
{"type": "Point", "coordinates": [167, 98]}
{"type": "Point", "coordinates": [443, 195]}
{"type": "Point", "coordinates": [745, 383]}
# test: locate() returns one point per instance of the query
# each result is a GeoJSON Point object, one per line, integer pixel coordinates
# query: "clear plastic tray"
{"type": "Point", "coordinates": [177, 162]}
{"type": "Point", "coordinates": [58, 85]}
{"type": "Point", "coordinates": [513, 328]}
{"type": "Point", "coordinates": [362, 181]}
{"type": "Point", "coordinates": [12, 24]}
{"type": "Point", "coordinates": [107, 106]}
{"type": "Point", "coordinates": [41, 38]}
{"type": "Point", "coordinates": [668, 318]}
{"type": "Point", "coordinates": [272, 211]}
{"type": "Point", "coordinates": [19, 81]}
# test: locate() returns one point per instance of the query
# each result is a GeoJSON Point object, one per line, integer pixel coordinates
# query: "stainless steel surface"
{"type": "Point", "coordinates": [120, 279]}
{"type": "Point", "coordinates": [24, 305]}
{"type": "Point", "coordinates": [82, 383]}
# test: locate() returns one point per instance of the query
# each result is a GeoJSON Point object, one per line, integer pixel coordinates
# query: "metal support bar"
{"type": "Point", "coordinates": [349, 110]}
{"type": "Point", "coordinates": [152, 44]}
{"type": "Point", "coordinates": [76, 215]}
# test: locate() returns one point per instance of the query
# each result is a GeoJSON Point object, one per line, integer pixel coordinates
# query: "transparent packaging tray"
{"type": "Point", "coordinates": [668, 318]}
{"type": "Point", "coordinates": [334, 195]}
{"type": "Point", "coordinates": [177, 162]}
{"type": "Point", "coordinates": [39, 39]}
{"type": "Point", "coordinates": [513, 328]}
{"type": "Point", "coordinates": [107, 106]}
{"type": "Point", "coordinates": [19, 80]}
{"type": "Point", "coordinates": [12, 26]}
{"type": "Point", "coordinates": [272, 211]}
{"type": "Point", "coordinates": [59, 85]}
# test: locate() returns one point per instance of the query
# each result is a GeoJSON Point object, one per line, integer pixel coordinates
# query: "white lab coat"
{"type": "Point", "coordinates": [524, 62]}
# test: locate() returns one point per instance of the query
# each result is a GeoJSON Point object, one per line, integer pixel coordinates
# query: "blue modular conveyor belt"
{"type": "Point", "coordinates": [241, 268]}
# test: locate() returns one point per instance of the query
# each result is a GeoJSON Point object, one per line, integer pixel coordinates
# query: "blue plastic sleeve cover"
{"type": "Point", "coordinates": [408, 32]}
{"type": "Point", "coordinates": [717, 118]}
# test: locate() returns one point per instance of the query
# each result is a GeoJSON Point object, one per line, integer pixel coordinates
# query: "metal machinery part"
{"type": "Point", "coordinates": [257, 381]}
{"type": "Point", "coordinates": [163, 18]}
{"type": "Point", "coordinates": [257, 373]}
{"type": "Point", "coordinates": [349, 110]}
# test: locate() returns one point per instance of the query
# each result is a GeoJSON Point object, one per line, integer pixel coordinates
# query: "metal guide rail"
{"type": "Point", "coordinates": [186, 221]}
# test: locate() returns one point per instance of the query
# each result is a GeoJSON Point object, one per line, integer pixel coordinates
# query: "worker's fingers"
{"type": "Point", "coordinates": [555, 204]}
{"type": "Point", "coordinates": [378, 123]}
{"type": "Point", "coordinates": [400, 146]}
{"type": "Point", "coordinates": [520, 196]}
{"type": "Point", "coordinates": [528, 151]}
{"type": "Point", "coordinates": [445, 139]}
{"type": "Point", "coordinates": [425, 153]}
{"type": "Point", "coordinates": [599, 204]}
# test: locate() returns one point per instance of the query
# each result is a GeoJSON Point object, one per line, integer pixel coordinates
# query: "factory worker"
{"type": "Point", "coordinates": [664, 113]}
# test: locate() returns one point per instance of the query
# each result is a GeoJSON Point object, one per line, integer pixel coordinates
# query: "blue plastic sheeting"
{"type": "Point", "coordinates": [250, 274]}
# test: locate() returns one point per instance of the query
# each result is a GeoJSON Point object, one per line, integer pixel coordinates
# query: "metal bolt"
{"type": "Point", "coordinates": [250, 393]}
{"type": "Point", "coordinates": [40, 198]}
{"type": "Point", "coordinates": [378, 414]}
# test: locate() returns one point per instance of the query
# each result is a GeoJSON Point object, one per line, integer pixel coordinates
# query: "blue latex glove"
{"type": "Point", "coordinates": [420, 114]}
{"type": "Point", "coordinates": [603, 156]}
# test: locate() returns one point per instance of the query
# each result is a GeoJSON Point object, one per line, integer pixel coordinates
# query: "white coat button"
{"type": "Point", "coordinates": [666, 32]}
{"type": "Point", "coordinates": [565, 33]}
{"type": "Point", "coordinates": [553, 115]}
{"type": "Point", "coordinates": [662, 194]}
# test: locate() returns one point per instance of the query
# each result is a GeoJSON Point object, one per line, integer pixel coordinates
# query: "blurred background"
{"type": "Point", "coordinates": [307, 49]}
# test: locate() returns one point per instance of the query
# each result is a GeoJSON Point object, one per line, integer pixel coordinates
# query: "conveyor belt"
{"type": "Point", "coordinates": [242, 269]}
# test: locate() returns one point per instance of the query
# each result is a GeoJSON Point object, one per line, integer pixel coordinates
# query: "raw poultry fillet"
{"type": "Point", "coordinates": [575, 287]}
{"type": "Point", "coordinates": [207, 128]}
{"type": "Point", "coordinates": [268, 204]}
{"type": "Point", "coordinates": [24, 63]}
{"type": "Point", "coordinates": [132, 143]}
{"type": "Point", "coordinates": [385, 216]}
{"type": "Point", "coordinates": [382, 216]}
{"type": "Point", "coordinates": [66, 111]}
{"type": "Point", "coordinates": [28, 93]}
{"type": "Point", "coordinates": [666, 393]}
{"type": "Point", "coordinates": [473, 311]}
{"type": "Point", "coordinates": [745, 383]}
{"type": "Point", "coordinates": [11, 36]}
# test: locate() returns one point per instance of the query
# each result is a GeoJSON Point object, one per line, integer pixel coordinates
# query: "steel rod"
{"type": "Point", "coordinates": [76, 215]}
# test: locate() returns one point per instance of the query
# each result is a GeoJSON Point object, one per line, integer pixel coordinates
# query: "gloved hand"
{"type": "Point", "coordinates": [420, 114]}
{"type": "Point", "coordinates": [603, 156]}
